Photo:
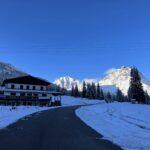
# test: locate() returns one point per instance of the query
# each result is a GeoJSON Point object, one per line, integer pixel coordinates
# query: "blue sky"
{"type": "Point", "coordinates": [80, 38]}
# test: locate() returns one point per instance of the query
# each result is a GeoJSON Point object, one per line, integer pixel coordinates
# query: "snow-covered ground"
{"type": "Point", "coordinates": [71, 101]}
{"type": "Point", "coordinates": [125, 124]}
{"type": "Point", "coordinates": [9, 115]}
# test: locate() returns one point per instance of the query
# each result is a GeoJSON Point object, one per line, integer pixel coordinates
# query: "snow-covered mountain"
{"type": "Point", "coordinates": [114, 78]}
{"type": "Point", "coordinates": [119, 78]}
{"type": "Point", "coordinates": [67, 82]}
{"type": "Point", "coordinates": [9, 71]}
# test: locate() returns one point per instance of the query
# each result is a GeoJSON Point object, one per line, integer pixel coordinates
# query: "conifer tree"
{"type": "Point", "coordinates": [136, 89]}
{"type": "Point", "coordinates": [113, 97]}
{"type": "Point", "coordinates": [98, 92]}
{"type": "Point", "coordinates": [64, 91]}
{"type": "Point", "coordinates": [101, 94]}
{"type": "Point", "coordinates": [147, 98]}
{"type": "Point", "coordinates": [119, 96]}
{"type": "Point", "coordinates": [84, 90]}
{"type": "Point", "coordinates": [89, 93]}
{"type": "Point", "coordinates": [72, 91]}
{"type": "Point", "coordinates": [126, 99]}
{"type": "Point", "coordinates": [108, 96]}
{"type": "Point", "coordinates": [58, 88]}
{"type": "Point", "coordinates": [76, 91]}
{"type": "Point", "coordinates": [93, 91]}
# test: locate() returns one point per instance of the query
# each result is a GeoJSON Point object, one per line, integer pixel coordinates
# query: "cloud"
{"type": "Point", "coordinates": [110, 70]}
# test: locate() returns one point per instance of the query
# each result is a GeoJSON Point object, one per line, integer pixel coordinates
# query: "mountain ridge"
{"type": "Point", "coordinates": [9, 71]}
{"type": "Point", "coordinates": [113, 79]}
{"type": "Point", "coordinates": [117, 78]}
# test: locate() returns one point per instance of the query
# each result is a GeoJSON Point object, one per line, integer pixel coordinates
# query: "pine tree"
{"type": "Point", "coordinates": [58, 88]}
{"type": "Point", "coordinates": [126, 99]}
{"type": "Point", "coordinates": [93, 91]}
{"type": "Point", "coordinates": [113, 97]}
{"type": "Point", "coordinates": [76, 91]}
{"type": "Point", "coordinates": [136, 89]}
{"type": "Point", "coordinates": [63, 91]}
{"type": "Point", "coordinates": [147, 97]}
{"type": "Point", "coordinates": [108, 96]}
{"type": "Point", "coordinates": [72, 91]}
{"type": "Point", "coordinates": [84, 90]}
{"type": "Point", "coordinates": [89, 93]}
{"type": "Point", "coordinates": [119, 96]}
{"type": "Point", "coordinates": [101, 94]}
{"type": "Point", "coordinates": [98, 92]}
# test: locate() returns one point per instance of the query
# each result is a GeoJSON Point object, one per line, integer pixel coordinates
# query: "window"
{"type": "Point", "coordinates": [29, 94]}
{"type": "Point", "coordinates": [44, 95]}
{"type": "Point", "coordinates": [12, 86]}
{"type": "Point", "coordinates": [21, 87]}
{"type": "Point", "coordinates": [1, 92]}
{"type": "Point", "coordinates": [42, 88]}
{"type": "Point", "coordinates": [27, 87]}
{"type": "Point", "coordinates": [36, 95]}
{"type": "Point", "coordinates": [33, 87]}
{"type": "Point", "coordinates": [13, 94]}
{"type": "Point", "coordinates": [22, 94]}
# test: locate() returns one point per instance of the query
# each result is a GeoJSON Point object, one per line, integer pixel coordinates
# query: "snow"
{"type": "Point", "coordinates": [125, 124]}
{"type": "Point", "coordinates": [66, 82]}
{"type": "Point", "coordinates": [72, 101]}
{"type": "Point", "coordinates": [118, 78]}
{"type": "Point", "coordinates": [9, 71]}
{"type": "Point", "coordinates": [9, 115]}
{"type": "Point", "coordinates": [109, 88]}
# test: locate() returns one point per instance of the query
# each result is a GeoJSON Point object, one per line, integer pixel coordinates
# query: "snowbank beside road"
{"type": "Point", "coordinates": [125, 124]}
{"type": "Point", "coordinates": [9, 115]}
{"type": "Point", "coordinates": [72, 101]}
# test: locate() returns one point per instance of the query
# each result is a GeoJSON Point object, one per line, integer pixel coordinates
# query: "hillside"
{"type": "Point", "coordinates": [9, 71]}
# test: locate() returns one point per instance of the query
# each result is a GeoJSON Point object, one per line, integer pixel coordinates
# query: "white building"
{"type": "Point", "coordinates": [26, 90]}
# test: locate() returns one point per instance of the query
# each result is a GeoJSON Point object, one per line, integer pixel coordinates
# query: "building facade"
{"type": "Point", "coordinates": [27, 90]}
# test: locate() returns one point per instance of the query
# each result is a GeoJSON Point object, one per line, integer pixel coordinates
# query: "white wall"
{"type": "Point", "coordinates": [17, 94]}
{"type": "Point", "coordinates": [17, 86]}
{"type": "Point", "coordinates": [7, 93]}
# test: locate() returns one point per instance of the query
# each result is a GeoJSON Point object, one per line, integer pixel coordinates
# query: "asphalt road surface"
{"type": "Point", "coordinates": [56, 129]}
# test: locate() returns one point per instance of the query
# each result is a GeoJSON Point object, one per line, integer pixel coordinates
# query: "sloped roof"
{"type": "Point", "coordinates": [27, 80]}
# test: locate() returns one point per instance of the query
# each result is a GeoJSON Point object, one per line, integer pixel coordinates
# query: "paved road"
{"type": "Point", "coordinates": [56, 129]}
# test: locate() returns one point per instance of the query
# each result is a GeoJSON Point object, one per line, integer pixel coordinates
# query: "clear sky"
{"type": "Point", "coordinates": [79, 38]}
